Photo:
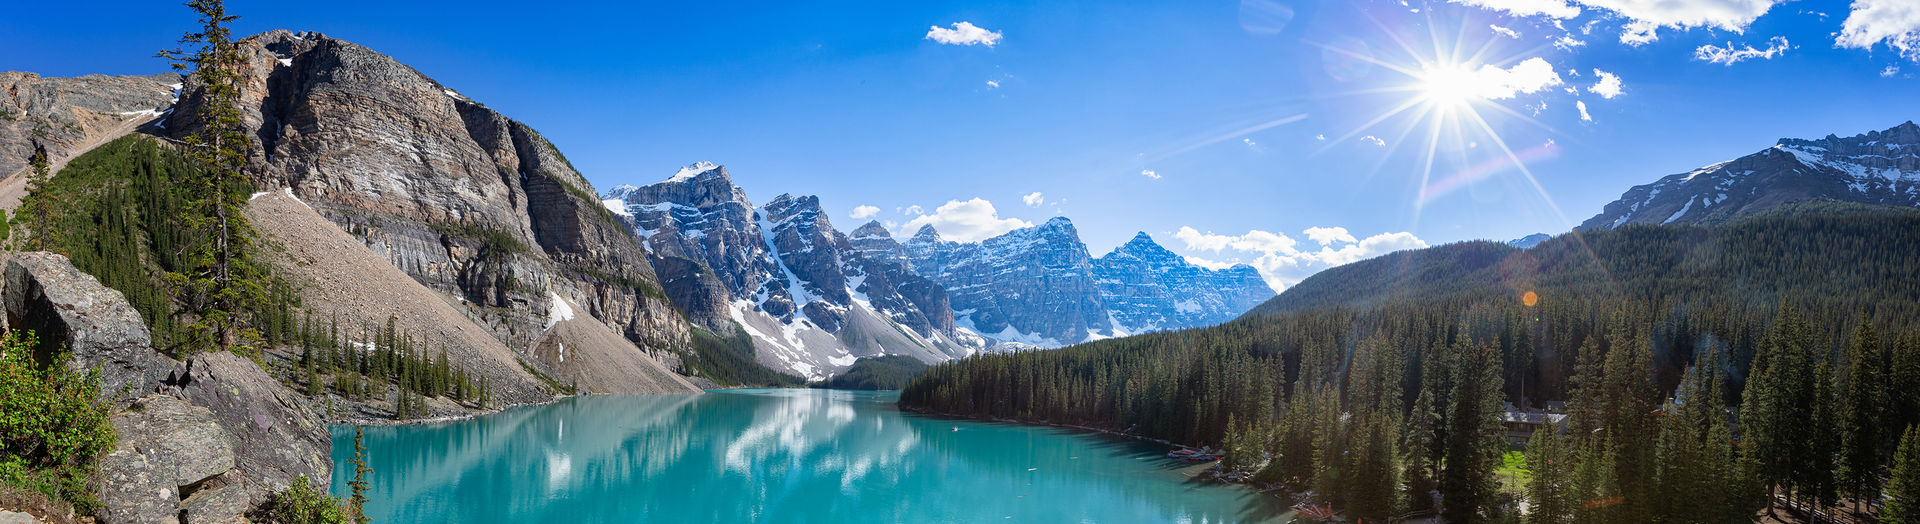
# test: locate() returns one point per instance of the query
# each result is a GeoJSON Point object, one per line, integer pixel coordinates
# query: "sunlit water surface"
{"type": "Point", "coordinates": [787, 455]}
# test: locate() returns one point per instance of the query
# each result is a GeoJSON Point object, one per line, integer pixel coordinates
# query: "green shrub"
{"type": "Point", "coordinates": [302, 503]}
{"type": "Point", "coordinates": [52, 424]}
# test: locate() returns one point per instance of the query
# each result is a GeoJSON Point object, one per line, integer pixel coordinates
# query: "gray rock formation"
{"type": "Point", "coordinates": [1148, 288]}
{"type": "Point", "coordinates": [220, 437]}
{"type": "Point", "coordinates": [277, 437]}
{"type": "Point", "coordinates": [463, 199]}
{"type": "Point", "coordinates": [168, 451]}
{"type": "Point", "coordinates": [1880, 167]}
{"type": "Point", "coordinates": [92, 325]}
{"type": "Point", "coordinates": [70, 115]}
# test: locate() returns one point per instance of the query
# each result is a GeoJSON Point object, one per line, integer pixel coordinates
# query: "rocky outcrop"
{"type": "Point", "coordinates": [89, 325]}
{"type": "Point", "coordinates": [1149, 288]}
{"type": "Point", "coordinates": [1879, 167]}
{"type": "Point", "coordinates": [584, 352]}
{"type": "Point", "coordinates": [276, 435]}
{"type": "Point", "coordinates": [168, 452]}
{"type": "Point", "coordinates": [204, 440]}
{"type": "Point", "coordinates": [461, 198]}
{"type": "Point", "coordinates": [699, 214]}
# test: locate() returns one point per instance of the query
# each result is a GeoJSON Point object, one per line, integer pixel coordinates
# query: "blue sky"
{"type": "Point", "coordinates": [1251, 115]}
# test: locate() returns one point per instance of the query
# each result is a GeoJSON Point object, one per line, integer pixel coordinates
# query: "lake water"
{"type": "Point", "coordinates": [777, 455]}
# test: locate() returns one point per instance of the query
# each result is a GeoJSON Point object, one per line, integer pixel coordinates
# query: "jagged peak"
{"type": "Point", "coordinates": [696, 169]}
{"type": "Point", "coordinates": [872, 229]}
{"type": "Point", "coordinates": [926, 234]}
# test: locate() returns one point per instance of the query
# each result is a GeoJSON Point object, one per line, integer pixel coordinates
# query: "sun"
{"type": "Point", "coordinates": [1447, 86]}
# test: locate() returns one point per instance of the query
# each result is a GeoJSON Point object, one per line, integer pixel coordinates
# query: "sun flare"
{"type": "Point", "coordinates": [1448, 86]}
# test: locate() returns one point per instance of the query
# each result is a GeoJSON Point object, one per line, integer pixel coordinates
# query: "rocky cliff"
{"type": "Point", "coordinates": [1879, 167]}
{"type": "Point", "coordinates": [68, 116]}
{"type": "Point", "coordinates": [464, 200]}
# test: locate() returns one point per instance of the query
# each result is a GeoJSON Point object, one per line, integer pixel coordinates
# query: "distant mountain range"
{"type": "Point", "coordinates": [1880, 167]}
{"type": "Point", "coordinates": [813, 299]}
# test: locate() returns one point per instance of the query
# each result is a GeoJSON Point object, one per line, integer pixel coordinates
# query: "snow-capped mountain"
{"type": "Point", "coordinates": [1880, 167]}
{"type": "Point", "coordinates": [808, 299]}
{"type": "Point", "coordinates": [1527, 242]}
{"type": "Point", "coordinates": [1038, 286]}
{"type": "Point", "coordinates": [1148, 288]}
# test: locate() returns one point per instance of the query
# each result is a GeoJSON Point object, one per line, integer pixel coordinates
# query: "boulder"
{"type": "Point", "coordinates": [131, 492]}
{"type": "Point", "coordinates": [183, 443]}
{"type": "Point", "coordinates": [93, 324]}
{"type": "Point", "coordinates": [276, 435]}
{"type": "Point", "coordinates": [219, 500]}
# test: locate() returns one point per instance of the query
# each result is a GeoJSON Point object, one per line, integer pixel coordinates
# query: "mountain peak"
{"type": "Point", "coordinates": [872, 229]}
{"type": "Point", "coordinates": [696, 169]}
{"type": "Point", "coordinates": [1141, 237]}
{"type": "Point", "coordinates": [926, 234]}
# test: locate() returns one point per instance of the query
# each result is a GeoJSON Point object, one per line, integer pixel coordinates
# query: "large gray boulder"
{"type": "Point", "coordinates": [167, 448]}
{"type": "Point", "coordinates": [93, 324]}
{"type": "Point", "coordinates": [276, 436]}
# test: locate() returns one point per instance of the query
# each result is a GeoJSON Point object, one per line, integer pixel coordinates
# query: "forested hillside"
{"type": "Point", "coordinates": [1401, 364]}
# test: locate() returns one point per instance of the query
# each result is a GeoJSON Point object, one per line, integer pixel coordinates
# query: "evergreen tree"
{"type": "Point", "coordinates": [1474, 440]}
{"type": "Point", "coordinates": [221, 283]}
{"type": "Point", "coordinates": [1903, 487]}
{"type": "Point", "coordinates": [1551, 489]}
{"type": "Point", "coordinates": [34, 213]}
{"type": "Point", "coordinates": [357, 504]}
{"type": "Point", "coordinates": [1860, 419]}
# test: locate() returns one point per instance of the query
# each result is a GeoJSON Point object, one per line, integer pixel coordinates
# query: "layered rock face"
{"type": "Point", "coordinates": [1880, 167]}
{"type": "Point", "coordinates": [1149, 288]}
{"type": "Point", "coordinates": [808, 298]}
{"type": "Point", "coordinates": [67, 116]}
{"type": "Point", "coordinates": [463, 199]}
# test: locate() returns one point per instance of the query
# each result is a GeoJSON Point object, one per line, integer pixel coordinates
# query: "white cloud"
{"type": "Point", "coordinates": [1645, 17]}
{"type": "Point", "coordinates": [1528, 76]}
{"type": "Point", "coordinates": [1568, 42]}
{"type": "Point", "coordinates": [1150, 174]}
{"type": "Point", "coordinates": [1281, 263]}
{"type": "Point", "coordinates": [1892, 22]}
{"type": "Point", "coordinates": [1255, 240]}
{"type": "Point", "coordinates": [864, 211]}
{"type": "Point", "coordinates": [913, 210]}
{"type": "Point", "coordinates": [1505, 31]}
{"type": "Point", "coordinates": [1329, 235]}
{"type": "Point", "coordinates": [970, 221]}
{"type": "Point", "coordinates": [1033, 199]}
{"type": "Point", "coordinates": [964, 33]}
{"type": "Point", "coordinates": [1249, 142]}
{"type": "Point", "coordinates": [992, 84]}
{"type": "Point", "coordinates": [1731, 55]}
{"type": "Point", "coordinates": [1584, 116]}
{"type": "Point", "coordinates": [1373, 140]}
{"type": "Point", "coordinates": [1547, 8]}
{"type": "Point", "coordinates": [1322, 136]}
{"type": "Point", "coordinates": [1608, 86]}
{"type": "Point", "coordinates": [1890, 71]}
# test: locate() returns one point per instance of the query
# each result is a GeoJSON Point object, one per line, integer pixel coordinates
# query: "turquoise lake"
{"type": "Point", "coordinates": [774, 455]}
